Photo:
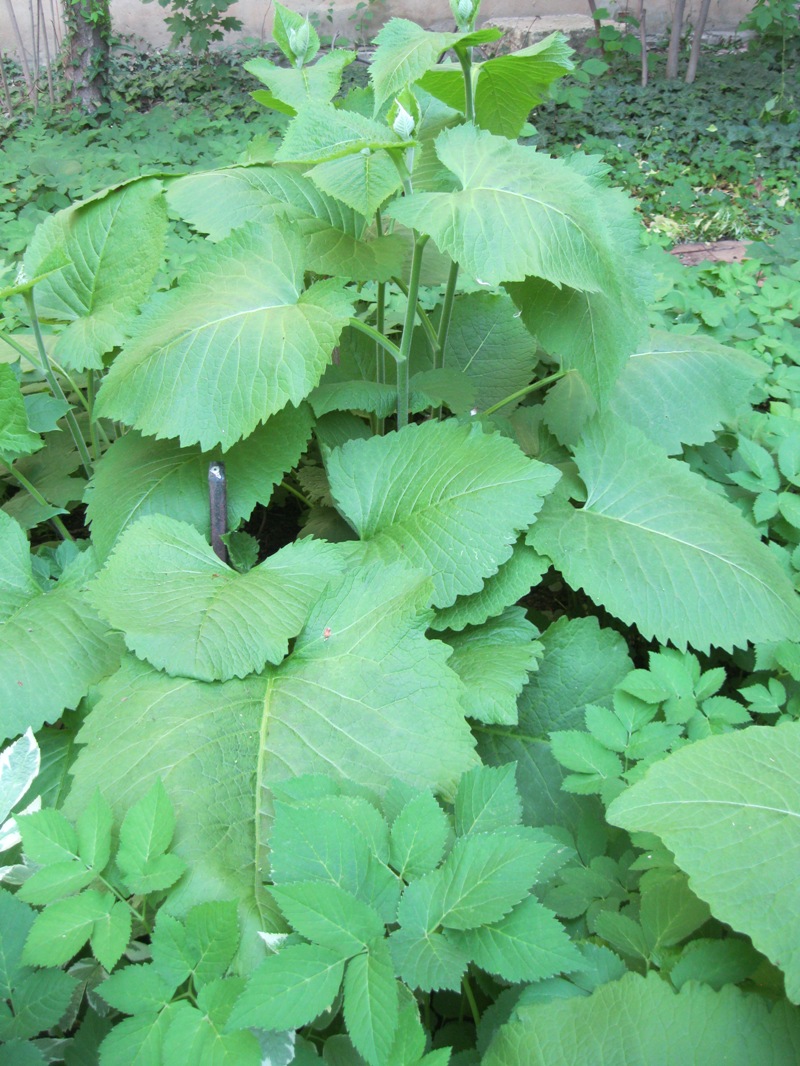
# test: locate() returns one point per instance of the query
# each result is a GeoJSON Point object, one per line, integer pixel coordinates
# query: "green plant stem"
{"type": "Point", "coordinates": [465, 59]}
{"type": "Point", "coordinates": [403, 389]}
{"type": "Point", "coordinates": [473, 1006]}
{"type": "Point", "coordinates": [379, 338]}
{"type": "Point", "coordinates": [541, 384]}
{"type": "Point", "coordinates": [447, 314]}
{"type": "Point", "coordinates": [294, 492]}
{"type": "Point", "coordinates": [23, 352]}
{"type": "Point", "coordinates": [139, 917]}
{"type": "Point", "coordinates": [424, 318]}
{"type": "Point", "coordinates": [55, 385]}
{"type": "Point", "coordinates": [380, 314]}
{"type": "Point", "coordinates": [31, 488]}
{"type": "Point", "coordinates": [90, 394]}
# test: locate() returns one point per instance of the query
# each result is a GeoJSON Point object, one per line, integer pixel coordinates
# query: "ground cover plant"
{"type": "Point", "coordinates": [465, 729]}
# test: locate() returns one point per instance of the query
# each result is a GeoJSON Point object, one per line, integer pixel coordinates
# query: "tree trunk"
{"type": "Point", "coordinates": [675, 39]}
{"type": "Point", "coordinates": [697, 42]}
{"type": "Point", "coordinates": [86, 51]}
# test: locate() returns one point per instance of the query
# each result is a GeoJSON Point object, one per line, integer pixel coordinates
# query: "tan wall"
{"type": "Point", "coordinates": [133, 17]}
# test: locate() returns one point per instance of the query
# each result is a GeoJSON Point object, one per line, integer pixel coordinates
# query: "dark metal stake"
{"type": "Point", "coordinates": [218, 507]}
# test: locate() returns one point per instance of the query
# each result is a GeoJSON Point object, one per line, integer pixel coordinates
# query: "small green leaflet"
{"type": "Point", "coordinates": [328, 915]}
{"type": "Point", "coordinates": [419, 835]}
{"type": "Point", "coordinates": [289, 989]}
{"type": "Point", "coordinates": [363, 180]}
{"type": "Point", "coordinates": [114, 245]}
{"type": "Point", "coordinates": [208, 622]}
{"type": "Point", "coordinates": [487, 800]}
{"type": "Point", "coordinates": [144, 837]}
{"type": "Point", "coordinates": [457, 508]}
{"type": "Point", "coordinates": [62, 928]}
{"type": "Point", "coordinates": [213, 358]}
{"type": "Point", "coordinates": [371, 1006]}
{"type": "Point", "coordinates": [728, 807]}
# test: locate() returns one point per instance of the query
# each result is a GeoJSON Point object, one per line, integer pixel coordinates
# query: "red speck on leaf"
{"type": "Point", "coordinates": [326, 632]}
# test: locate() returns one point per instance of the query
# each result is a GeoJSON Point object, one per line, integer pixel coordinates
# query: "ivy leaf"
{"type": "Point", "coordinates": [207, 622]}
{"type": "Point", "coordinates": [418, 837]}
{"type": "Point", "coordinates": [487, 800]}
{"type": "Point", "coordinates": [328, 915]}
{"type": "Point", "coordinates": [456, 510]}
{"type": "Point", "coordinates": [405, 51]}
{"type": "Point", "coordinates": [16, 437]}
{"type": "Point", "coordinates": [114, 245]}
{"type": "Point", "coordinates": [37, 684]}
{"type": "Point", "coordinates": [222, 352]}
{"type": "Point", "coordinates": [138, 476]}
{"type": "Point", "coordinates": [529, 944]}
{"type": "Point", "coordinates": [494, 661]}
{"type": "Point", "coordinates": [289, 989]}
{"type": "Point", "coordinates": [727, 807]}
{"type": "Point", "coordinates": [661, 551]}
{"type": "Point", "coordinates": [144, 836]}
{"type": "Point", "coordinates": [642, 1019]}
{"type": "Point", "coordinates": [333, 235]}
{"type": "Point", "coordinates": [371, 1008]}
{"type": "Point", "coordinates": [498, 229]}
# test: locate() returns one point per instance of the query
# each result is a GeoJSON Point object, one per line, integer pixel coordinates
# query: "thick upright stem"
{"type": "Point", "coordinates": [447, 314]}
{"type": "Point", "coordinates": [403, 377]}
{"type": "Point", "coordinates": [465, 59]}
{"type": "Point", "coordinates": [55, 385]}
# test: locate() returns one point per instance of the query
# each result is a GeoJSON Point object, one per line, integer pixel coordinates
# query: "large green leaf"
{"type": "Point", "coordinates": [489, 343]}
{"type": "Point", "coordinates": [53, 646]}
{"type": "Point", "coordinates": [594, 332]}
{"type": "Point", "coordinates": [362, 181]}
{"type": "Point", "coordinates": [219, 354]}
{"type": "Point", "coordinates": [200, 739]}
{"type": "Point", "coordinates": [494, 661]}
{"type": "Point", "coordinates": [641, 1020]}
{"type": "Point", "coordinates": [207, 622]}
{"type": "Point", "coordinates": [508, 87]}
{"type": "Point", "coordinates": [364, 693]}
{"type": "Point", "coordinates": [681, 389]}
{"type": "Point", "coordinates": [728, 807]}
{"type": "Point", "coordinates": [315, 84]}
{"type": "Point", "coordinates": [333, 234]}
{"type": "Point", "coordinates": [139, 476]}
{"type": "Point", "coordinates": [16, 437]}
{"type": "Point", "coordinates": [405, 51]}
{"type": "Point", "coordinates": [513, 580]}
{"type": "Point", "coordinates": [321, 134]}
{"type": "Point", "coordinates": [114, 245]}
{"type": "Point", "coordinates": [445, 496]}
{"type": "Point", "coordinates": [518, 213]}
{"type": "Point", "coordinates": [658, 549]}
